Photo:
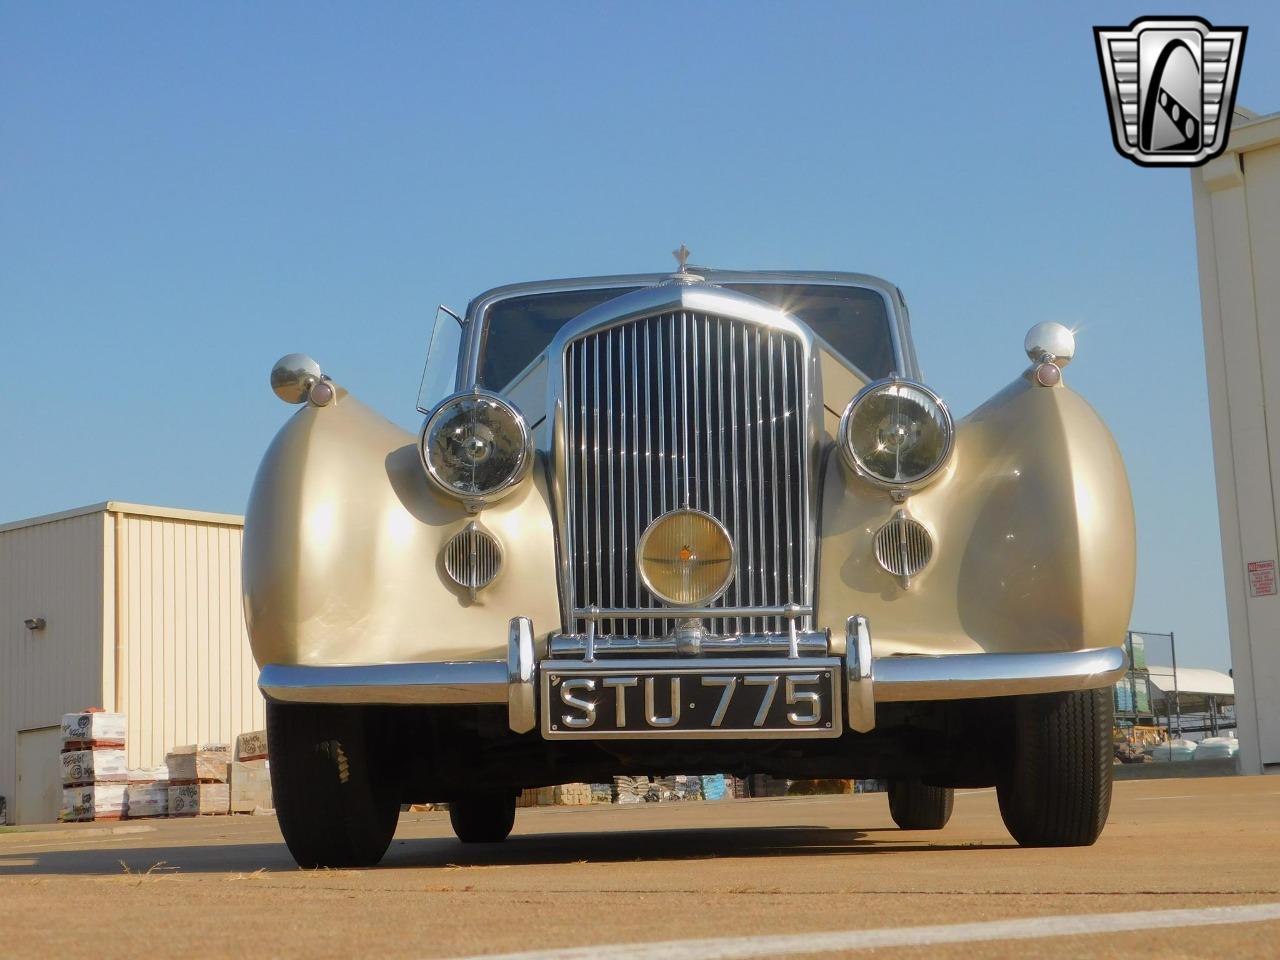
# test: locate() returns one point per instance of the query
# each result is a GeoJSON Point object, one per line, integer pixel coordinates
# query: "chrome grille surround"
{"type": "Point", "coordinates": [684, 395]}
{"type": "Point", "coordinates": [472, 557]}
{"type": "Point", "coordinates": [904, 546]}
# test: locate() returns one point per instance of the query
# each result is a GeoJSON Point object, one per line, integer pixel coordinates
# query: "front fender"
{"type": "Point", "coordinates": [343, 542]}
{"type": "Point", "coordinates": [1034, 544]}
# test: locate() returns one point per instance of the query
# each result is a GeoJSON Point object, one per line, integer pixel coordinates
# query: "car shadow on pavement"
{"type": "Point", "coordinates": [691, 843]}
{"type": "Point", "coordinates": [612, 846]}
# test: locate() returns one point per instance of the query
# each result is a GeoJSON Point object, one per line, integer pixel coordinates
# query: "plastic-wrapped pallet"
{"type": "Point", "coordinates": [147, 794]}
{"type": "Point", "coordinates": [693, 787]}
{"type": "Point", "coordinates": [714, 787]}
{"type": "Point", "coordinates": [199, 799]}
{"type": "Point", "coordinates": [250, 786]}
{"type": "Point", "coordinates": [573, 794]}
{"type": "Point", "coordinates": [92, 728]}
{"type": "Point", "coordinates": [101, 765]}
{"type": "Point", "coordinates": [630, 789]}
{"type": "Point", "coordinates": [1174, 750]}
{"type": "Point", "coordinates": [94, 766]}
{"type": "Point", "coordinates": [602, 793]}
{"type": "Point", "coordinates": [1217, 748]}
{"type": "Point", "coordinates": [199, 763]}
{"type": "Point", "coordinates": [661, 790]}
{"type": "Point", "coordinates": [95, 801]}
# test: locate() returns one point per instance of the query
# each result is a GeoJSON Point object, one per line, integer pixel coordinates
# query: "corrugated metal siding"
{"type": "Point", "coordinates": [53, 570]}
{"type": "Point", "coordinates": [187, 673]}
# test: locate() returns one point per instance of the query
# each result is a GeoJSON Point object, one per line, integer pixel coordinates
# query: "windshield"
{"type": "Point", "coordinates": [853, 321]}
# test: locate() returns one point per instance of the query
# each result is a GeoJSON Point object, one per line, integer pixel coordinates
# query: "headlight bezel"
{"type": "Point", "coordinates": [855, 463]}
{"type": "Point", "coordinates": [470, 499]}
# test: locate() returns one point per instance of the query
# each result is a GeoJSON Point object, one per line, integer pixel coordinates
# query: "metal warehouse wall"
{"type": "Point", "coordinates": [54, 570]}
{"type": "Point", "coordinates": [144, 614]}
{"type": "Point", "coordinates": [186, 672]}
{"type": "Point", "coordinates": [1237, 206]}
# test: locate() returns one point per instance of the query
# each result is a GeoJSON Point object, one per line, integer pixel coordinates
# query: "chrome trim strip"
{"type": "Point", "coordinates": [574, 645]}
{"type": "Point", "coordinates": [859, 674]}
{"type": "Point", "coordinates": [522, 680]}
{"type": "Point", "coordinates": [553, 670]}
{"type": "Point", "coordinates": [456, 683]}
{"type": "Point", "coordinates": [899, 329]}
{"type": "Point", "coordinates": [791, 611]}
{"type": "Point", "coordinates": [964, 676]}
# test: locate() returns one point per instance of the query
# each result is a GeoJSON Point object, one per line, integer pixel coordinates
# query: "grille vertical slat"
{"type": "Point", "coordinates": [685, 409]}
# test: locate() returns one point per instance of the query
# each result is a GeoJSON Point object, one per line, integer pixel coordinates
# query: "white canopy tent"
{"type": "Point", "coordinates": [1199, 691]}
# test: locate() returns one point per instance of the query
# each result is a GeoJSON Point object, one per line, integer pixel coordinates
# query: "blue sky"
{"type": "Point", "coordinates": [189, 191]}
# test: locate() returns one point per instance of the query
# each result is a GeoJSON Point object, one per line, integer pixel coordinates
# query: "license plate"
{"type": "Point", "coordinates": [736, 699]}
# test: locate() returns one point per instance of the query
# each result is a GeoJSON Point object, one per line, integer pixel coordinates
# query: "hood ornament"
{"type": "Point", "coordinates": [683, 275]}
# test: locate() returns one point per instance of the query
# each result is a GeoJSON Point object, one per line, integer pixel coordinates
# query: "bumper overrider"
{"type": "Point", "coordinates": [865, 680]}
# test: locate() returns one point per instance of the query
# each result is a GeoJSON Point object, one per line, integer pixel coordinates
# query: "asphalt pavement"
{"type": "Point", "coordinates": [1186, 868]}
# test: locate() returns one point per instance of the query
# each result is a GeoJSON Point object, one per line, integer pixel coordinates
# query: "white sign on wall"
{"type": "Point", "coordinates": [1262, 578]}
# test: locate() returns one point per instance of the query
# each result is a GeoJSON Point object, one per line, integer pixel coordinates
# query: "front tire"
{"type": "Point", "coordinates": [484, 817]}
{"type": "Point", "coordinates": [1058, 791]}
{"type": "Point", "coordinates": [917, 806]}
{"type": "Point", "coordinates": [336, 801]}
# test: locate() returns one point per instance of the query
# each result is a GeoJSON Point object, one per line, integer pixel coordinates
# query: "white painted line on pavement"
{"type": "Point", "coordinates": [737, 948]}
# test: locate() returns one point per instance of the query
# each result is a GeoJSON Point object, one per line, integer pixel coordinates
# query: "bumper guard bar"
{"type": "Point", "coordinates": [868, 680]}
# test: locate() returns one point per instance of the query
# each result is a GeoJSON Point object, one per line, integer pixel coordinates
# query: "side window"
{"type": "Point", "coordinates": [440, 371]}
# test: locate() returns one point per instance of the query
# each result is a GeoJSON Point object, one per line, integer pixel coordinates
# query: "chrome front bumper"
{"type": "Point", "coordinates": [868, 680]}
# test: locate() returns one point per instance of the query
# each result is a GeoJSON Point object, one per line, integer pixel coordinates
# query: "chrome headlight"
{"type": "Point", "coordinates": [475, 446]}
{"type": "Point", "coordinates": [896, 433]}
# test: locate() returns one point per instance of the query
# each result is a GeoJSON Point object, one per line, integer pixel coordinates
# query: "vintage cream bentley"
{"type": "Point", "coordinates": [700, 522]}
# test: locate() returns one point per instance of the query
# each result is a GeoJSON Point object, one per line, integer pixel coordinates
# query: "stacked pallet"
{"type": "Point", "coordinates": [94, 767]}
{"type": "Point", "coordinates": [251, 774]}
{"type": "Point", "coordinates": [630, 789]}
{"type": "Point", "coordinates": [536, 797]}
{"type": "Point", "coordinates": [198, 779]}
{"type": "Point", "coordinates": [147, 793]}
{"type": "Point", "coordinates": [602, 793]}
{"type": "Point", "coordinates": [714, 787]}
{"type": "Point", "coordinates": [573, 794]}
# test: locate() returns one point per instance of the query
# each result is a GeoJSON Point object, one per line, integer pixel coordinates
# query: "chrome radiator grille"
{"type": "Point", "coordinates": [686, 410]}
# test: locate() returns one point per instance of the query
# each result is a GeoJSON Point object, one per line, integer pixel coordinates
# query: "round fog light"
{"type": "Point", "coordinates": [686, 557]}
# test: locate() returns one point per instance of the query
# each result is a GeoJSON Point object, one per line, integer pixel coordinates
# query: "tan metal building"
{"type": "Point", "coordinates": [136, 609]}
{"type": "Point", "coordinates": [1237, 207]}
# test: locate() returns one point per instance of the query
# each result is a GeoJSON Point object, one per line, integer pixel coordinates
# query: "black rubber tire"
{"type": "Point", "coordinates": [483, 817]}
{"type": "Point", "coordinates": [917, 806]}
{"type": "Point", "coordinates": [1058, 790]}
{"type": "Point", "coordinates": [336, 801]}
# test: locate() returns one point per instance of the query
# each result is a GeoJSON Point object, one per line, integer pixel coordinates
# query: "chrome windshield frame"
{"type": "Point", "coordinates": [895, 307]}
